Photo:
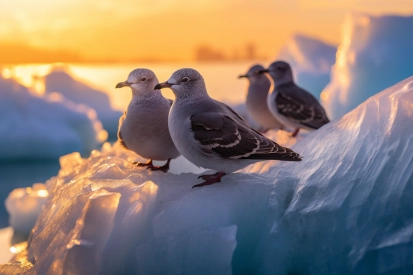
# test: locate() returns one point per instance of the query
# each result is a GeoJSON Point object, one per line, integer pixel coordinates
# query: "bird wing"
{"type": "Point", "coordinates": [300, 106]}
{"type": "Point", "coordinates": [120, 139]}
{"type": "Point", "coordinates": [225, 136]}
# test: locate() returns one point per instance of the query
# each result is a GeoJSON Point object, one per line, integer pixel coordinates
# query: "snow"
{"type": "Point", "coordinates": [374, 54]}
{"type": "Point", "coordinates": [60, 81]}
{"type": "Point", "coordinates": [346, 208]}
{"type": "Point", "coordinates": [35, 127]}
{"type": "Point", "coordinates": [311, 61]}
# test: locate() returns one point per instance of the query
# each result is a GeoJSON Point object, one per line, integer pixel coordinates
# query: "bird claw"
{"type": "Point", "coordinates": [210, 179]}
{"type": "Point", "coordinates": [159, 168]}
{"type": "Point", "coordinates": [140, 164]}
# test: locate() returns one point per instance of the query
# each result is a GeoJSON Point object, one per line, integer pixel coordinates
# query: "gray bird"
{"type": "Point", "coordinates": [144, 126]}
{"type": "Point", "coordinates": [212, 135]}
{"type": "Point", "coordinates": [256, 102]}
{"type": "Point", "coordinates": [290, 104]}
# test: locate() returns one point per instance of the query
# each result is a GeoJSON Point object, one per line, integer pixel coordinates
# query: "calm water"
{"type": "Point", "coordinates": [15, 175]}
{"type": "Point", "coordinates": [221, 80]}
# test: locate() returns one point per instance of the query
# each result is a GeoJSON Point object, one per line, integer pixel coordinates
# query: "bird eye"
{"type": "Point", "coordinates": [279, 68]}
{"type": "Point", "coordinates": [185, 79]}
{"type": "Point", "coordinates": [143, 78]}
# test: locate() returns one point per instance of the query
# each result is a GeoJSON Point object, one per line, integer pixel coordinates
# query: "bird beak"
{"type": "Point", "coordinates": [163, 85]}
{"type": "Point", "coordinates": [122, 84]}
{"type": "Point", "coordinates": [243, 75]}
{"type": "Point", "coordinates": [262, 71]}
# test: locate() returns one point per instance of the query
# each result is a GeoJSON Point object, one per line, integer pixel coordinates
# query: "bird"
{"type": "Point", "coordinates": [143, 128]}
{"type": "Point", "coordinates": [256, 102]}
{"type": "Point", "coordinates": [290, 104]}
{"type": "Point", "coordinates": [212, 135]}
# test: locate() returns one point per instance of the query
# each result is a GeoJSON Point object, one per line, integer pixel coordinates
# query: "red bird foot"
{"type": "Point", "coordinates": [164, 168]}
{"type": "Point", "coordinates": [148, 164]}
{"type": "Point", "coordinates": [210, 179]}
{"type": "Point", "coordinates": [295, 133]}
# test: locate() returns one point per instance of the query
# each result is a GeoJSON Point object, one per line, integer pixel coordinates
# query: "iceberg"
{"type": "Point", "coordinates": [345, 209]}
{"type": "Point", "coordinates": [374, 54]}
{"type": "Point", "coordinates": [311, 61]}
{"type": "Point", "coordinates": [44, 127]}
{"type": "Point", "coordinates": [61, 82]}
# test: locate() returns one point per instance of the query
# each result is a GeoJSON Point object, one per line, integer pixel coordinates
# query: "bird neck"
{"type": "Point", "coordinates": [145, 95]}
{"type": "Point", "coordinates": [190, 97]}
{"type": "Point", "coordinates": [259, 87]}
{"type": "Point", "coordinates": [281, 82]}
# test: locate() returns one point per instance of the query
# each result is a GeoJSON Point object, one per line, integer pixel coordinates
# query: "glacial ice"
{"type": "Point", "coordinates": [375, 53]}
{"type": "Point", "coordinates": [60, 81]}
{"type": "Point", "coordinates": [311, 61]}
{"type": "Point", "coordinates": [44, 127]}
{"type": "Point", "coordinates": [345, 209]}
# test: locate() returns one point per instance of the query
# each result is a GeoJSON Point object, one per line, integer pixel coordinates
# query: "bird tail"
{"type": "Point", "coordinates": [291, 156]}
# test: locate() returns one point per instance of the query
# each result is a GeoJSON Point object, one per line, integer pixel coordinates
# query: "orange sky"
{"type": "Point", "coordinates": [168, 30]}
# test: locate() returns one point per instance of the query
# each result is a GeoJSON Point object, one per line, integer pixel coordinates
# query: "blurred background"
{"type": "Point", "coordinates": [60, 61]}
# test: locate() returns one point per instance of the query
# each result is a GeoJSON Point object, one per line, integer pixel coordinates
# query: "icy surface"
{"type": "Point", "coordinates": [311, 61]}
{"type": "Point", "coordinates": [375, 53]}
{"type": "Point", "coordinates": [78, 92]}
{"type": "Point", "coordinates": [346, 208]}
{"type": "Point", "coordinates": [34, 127]}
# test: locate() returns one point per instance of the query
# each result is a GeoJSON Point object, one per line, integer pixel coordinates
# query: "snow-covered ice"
{"type": "Point", "coordinates": [345, 209]}
{"type": "Point", "coordinates": [44, 127]}
{"type": "Point", "coordinates": [60, 81]}
{"type": "Point", "coordinates": [311, 61]}
{"type": "Point", "coordinates": [375, 53]}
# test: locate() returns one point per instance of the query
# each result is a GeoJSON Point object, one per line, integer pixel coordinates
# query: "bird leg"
{"type": "Point", "coordinates": [164, 168]}
{"type": "Point", "coordinates": [210, 179]}
{"type": "Point", "coordinates": [148, 163]}
{"type": "Point", "coordinates": [295, 133]}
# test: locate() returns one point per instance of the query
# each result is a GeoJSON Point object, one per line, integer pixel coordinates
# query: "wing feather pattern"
{"type": "Point", "coordinates": [299, 106]}
{"type": "Point", "coordinates": [232, 138]}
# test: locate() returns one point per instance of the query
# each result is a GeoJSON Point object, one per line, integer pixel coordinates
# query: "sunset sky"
{"type": "Point", "coordinates": [169, 30]}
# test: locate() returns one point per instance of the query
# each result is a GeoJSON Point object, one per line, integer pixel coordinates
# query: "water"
{"type": "Point", "coordinates": [221, 80]}
{"type": "Point", "coordinates": [22, 174]}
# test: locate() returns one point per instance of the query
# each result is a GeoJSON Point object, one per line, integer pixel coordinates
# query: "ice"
{"type": "Point", "coordinates": [24, 206]}
{"type": "Point", "coordinates": [5, 237]}
{"type": "Point", "coordinates": [36, 127]}
{"type": "Point", "coordinates": [60, 81]}
{"type": "Point", "coordinates": [374, 54]}
{"type": "Point", "coordinates": [311, 61]}
{"type": "Point", "coordinates": [345, 209]}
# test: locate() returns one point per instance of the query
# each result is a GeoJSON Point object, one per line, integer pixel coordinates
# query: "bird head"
{"type": "Point", "coordinates": [253, 73]}
{"type": "Point", "coordinates": [184, 82]}
{"type": "Point", "coordinates": [140, 80]}
{"type": "Point", "coordinates": [280, 72]}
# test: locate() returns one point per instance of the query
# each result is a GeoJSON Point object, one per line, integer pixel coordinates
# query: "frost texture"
{"type": "Point", "coordinates": [345, 209]}
{"type": "Point", "coordinates": [311, 61]}
{"type": "Point", "coordinates": [374, 54]}
{"type": "Point", "coordinates": [34, 127]}
{"type": "Point", "coordinates": [78, 92]}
